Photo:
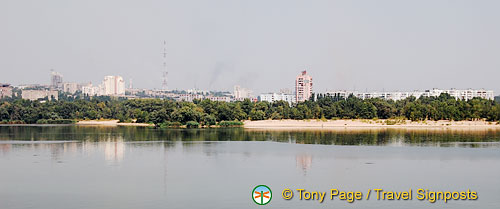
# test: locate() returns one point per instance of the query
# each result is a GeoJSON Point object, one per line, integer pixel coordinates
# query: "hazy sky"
{"type": "Point", "coordinates": [259, 44]}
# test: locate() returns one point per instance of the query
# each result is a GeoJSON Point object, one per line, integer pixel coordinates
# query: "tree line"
{"type": "Point", "coordinates": [206, 112]}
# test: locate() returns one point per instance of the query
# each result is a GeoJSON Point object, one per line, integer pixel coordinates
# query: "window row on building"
{"type": "Point", "coordinates": [467, 94]}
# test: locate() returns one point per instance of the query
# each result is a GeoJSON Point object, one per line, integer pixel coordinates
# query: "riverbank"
{"type": "Point", "coordinates": [361, 123]}
{"type": "Point", "coordinates": [312, 124]}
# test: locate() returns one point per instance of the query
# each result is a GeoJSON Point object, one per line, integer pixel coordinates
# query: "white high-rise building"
{"type": "Point", "coordinates": [113, 85]}
{"type": "Point", "coordinates": [303, 87]}
{"type": "Point", "coordinates": [241, 93]}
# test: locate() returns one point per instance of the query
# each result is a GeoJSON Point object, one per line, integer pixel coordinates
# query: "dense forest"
{"type": "Point", "coordinates": [206, 112]}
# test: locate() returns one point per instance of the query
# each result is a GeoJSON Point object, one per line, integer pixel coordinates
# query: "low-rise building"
{"type": "Point", "coordinates": [71, 87]}
{"type": "Point", "coordinates": [189, 97]}
{"type": "Point", "coordinates": [197, 91]}
{"type": "Point", "coordinates": [91, 90]}
{"type": "Point", "coordinates": [469, 94]}
{"type": "Point", "coordinates": [273, 97]}
{"type": "Point", "coordinates": [219, 98]}
{"type": "Point", "coordinates": [457, 94]}
{"type": "Point", "coordinates": [39, 94]}
{"type": "Point", "coordinates": [5, 90]}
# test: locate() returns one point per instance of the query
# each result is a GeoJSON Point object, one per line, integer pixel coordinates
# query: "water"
{"type": "Point", "coordinates": [136, 167]}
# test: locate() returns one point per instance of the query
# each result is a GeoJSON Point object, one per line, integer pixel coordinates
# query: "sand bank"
{"type": "Point", "coordinates": [359, 123]}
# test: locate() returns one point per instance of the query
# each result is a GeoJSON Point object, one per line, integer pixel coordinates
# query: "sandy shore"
{"type": "Point", "coordinates": [335, 124]}
{"type": "Point", "coordinates": [109, 123]}
{"type": "Point", "coordinates": [368, 124]}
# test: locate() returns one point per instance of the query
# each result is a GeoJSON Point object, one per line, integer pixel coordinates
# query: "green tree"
{"type": "Point", "coordinates": [257, 115]}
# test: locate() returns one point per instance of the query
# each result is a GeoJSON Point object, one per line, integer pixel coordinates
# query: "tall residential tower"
{"type": "Point", "coordinates": [303, 87]}
{"type": "Point", "coordinates": [113, 85]}
{"type": "Point", "coordinates": [56, 80]}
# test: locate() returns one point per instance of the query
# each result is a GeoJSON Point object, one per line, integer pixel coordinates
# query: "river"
{"type": "Point", "coordinates": [82, 167]}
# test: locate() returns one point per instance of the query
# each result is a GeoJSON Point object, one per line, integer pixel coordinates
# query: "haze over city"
{"type": "Point", "coordinates": [262, 45]}
{"type": "Point", "coordinates": [189, 104]}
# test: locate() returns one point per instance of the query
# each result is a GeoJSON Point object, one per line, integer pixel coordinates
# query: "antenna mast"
{"type": "Point", "coordinates": [165, 72]}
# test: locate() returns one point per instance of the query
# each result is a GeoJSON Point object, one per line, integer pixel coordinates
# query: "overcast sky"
{"type": "Point", "coordinates": [259, 44]}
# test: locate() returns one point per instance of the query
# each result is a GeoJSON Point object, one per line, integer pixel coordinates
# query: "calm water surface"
{"type": "Point", "coordinates": [52, 167]}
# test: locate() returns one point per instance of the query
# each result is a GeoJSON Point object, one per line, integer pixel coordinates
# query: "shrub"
{"type": "Point", "coordinates": [55, 121]}
{"type": "Point", "coordinates": [390, 122]}
{"type": "Point", "coordinates": [192, 124]}
{"type": "Point", "coordinates": [209, 120]}
{"type": "Point", "coordinates": [169, 124]}
{"type": "Point", "coordinates": [276, 116]}
{"type": "Point", "coordinates": [42, 121]}
{"type": "Point", "coordinates": [257, 115]}
{"type": "Point", "coordinates": [230, 123]}
{"type": "Point", "coordinates": [125, 120]}
{"type": "Point", "coordinates": [64, 121]}
{"type": "Point", "coordinates": [16, 122]}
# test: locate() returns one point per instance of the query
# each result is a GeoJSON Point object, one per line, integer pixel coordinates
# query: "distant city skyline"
{"type": "Point", "coordinates": [238, 91]}
{"type": "Point", "coordinates": [260, 45]}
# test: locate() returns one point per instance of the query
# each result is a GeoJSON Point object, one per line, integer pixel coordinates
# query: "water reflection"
{"type": "Point", "coordinates": [130, 167]}
{"type": "Point", "coordinates": [114, 150]}
{"type": "Point", "coordinates": [304, 162]}
{"type": "Point", "coordinates": [5, 148]}
{"type": "Point", "coordinates": [379, 137]}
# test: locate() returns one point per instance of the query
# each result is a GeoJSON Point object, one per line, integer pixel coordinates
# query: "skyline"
{"type": "Point", "coordinates": [259, 46]}
{"type": "Point", "coordinates": [58, 83]}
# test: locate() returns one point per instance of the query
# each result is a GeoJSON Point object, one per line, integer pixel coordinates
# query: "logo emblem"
{"type": "Point", "coordinates": [262, 195]}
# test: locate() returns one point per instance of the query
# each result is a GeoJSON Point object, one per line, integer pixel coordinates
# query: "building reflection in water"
{"type": "Point", "coordinates": [304, 162]}
{"type": "Point", "coordinates": [165, 168]}
{"type": "Point", "coordinates": [114, 150]}
{"type": "Point", "coordinates": [5, 148]}
{"type": "Point", "coordinates": [58, 150]}
{"type": "Point", "coordinates": [54, 149]}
